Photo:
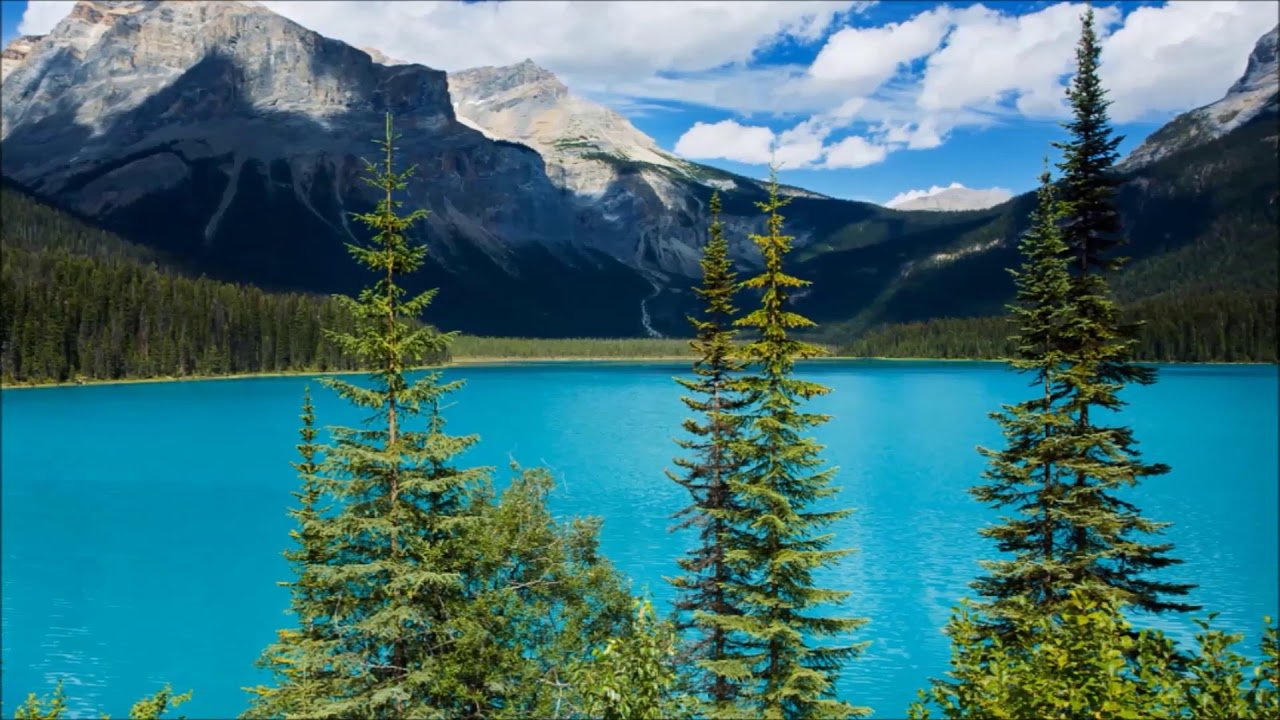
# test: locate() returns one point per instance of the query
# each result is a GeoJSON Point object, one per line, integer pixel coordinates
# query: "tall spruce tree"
{"type": "Point", "coordinates": [1027, 475]}
{"type": "Point", "coordinates": [774, 539]}
{"type": "Point", "coordinates": [1104, 548]}
{"type": "Point", "coordinates": [703, 598]}
{"type": "Point", "coordinates": [393, 580]}
{"type": "Point", "coordinates": [301, 654]}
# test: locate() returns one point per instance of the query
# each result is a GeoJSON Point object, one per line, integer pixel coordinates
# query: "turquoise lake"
{"type": "Point", "coordinates": [143, 524]}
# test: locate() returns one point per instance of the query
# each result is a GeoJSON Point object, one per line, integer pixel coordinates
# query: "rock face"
{"type": "Point", "coordinates": [527, 104]}
{"type": "Point", "coordinates": [1253, 95]}
{"type": "Point", "coordinates": [16, 53]}
{"type": "Point", "coordinates": [232, 138]}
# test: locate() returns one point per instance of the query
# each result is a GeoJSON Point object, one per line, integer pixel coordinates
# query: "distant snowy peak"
{"type": "Point", "coordinates": [954, 197]}
{"type": "Point", "coordinates": [1254, 94]}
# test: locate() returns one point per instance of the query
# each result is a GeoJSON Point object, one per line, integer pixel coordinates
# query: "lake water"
{"type": "Point", "coordinates": [143, 524]}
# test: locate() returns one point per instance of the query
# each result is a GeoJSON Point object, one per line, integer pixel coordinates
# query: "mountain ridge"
{"type": "Point", "coordinates": [193, 144]}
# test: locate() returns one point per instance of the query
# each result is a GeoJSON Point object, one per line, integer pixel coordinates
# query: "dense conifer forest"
{"type": "Point", "coordinates": [1223, 326]}
{"type": "Point", "coordinates": [80, 303]}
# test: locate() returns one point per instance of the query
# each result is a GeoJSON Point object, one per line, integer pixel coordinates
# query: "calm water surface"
{"type": "Point", "coordinates": [143, 524]}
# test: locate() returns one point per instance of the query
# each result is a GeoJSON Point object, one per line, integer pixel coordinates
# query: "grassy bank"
{"type": "Point", "coordinates": [470, 348]}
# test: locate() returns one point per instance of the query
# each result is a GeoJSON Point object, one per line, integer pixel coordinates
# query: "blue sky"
{"type": "Point", "coordinates": [864, 100]}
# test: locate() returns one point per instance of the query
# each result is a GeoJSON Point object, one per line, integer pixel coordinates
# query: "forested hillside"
{"type": "Point", "coordinates": [1227, 326]}
{"type": "Point", "coordinates": [80, 303]}
{"type": "Point", "coordinates": [1202, 232]}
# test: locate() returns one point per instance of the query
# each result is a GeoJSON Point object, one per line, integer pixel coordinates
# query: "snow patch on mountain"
{"type": "Point", "coordinates": [953, 197]}
{"type": "Point", "coordinates": [1252, 95]}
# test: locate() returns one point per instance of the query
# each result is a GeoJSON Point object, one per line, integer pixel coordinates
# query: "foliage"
{"type": "Point", "coordinates": [418, 594]}
{"type": "Point", "coordinates": [80, 303]}
{"type": "Point", "coordinates": [540, 602]}
{"type": "Point", "coordinates": [65, 317]}
{"type": "Point", "coordinates": [54, 706]}
{"type": "Point", "coordinates": [1226, 326]}
{"type": "Point", "coordinates": [300, 655]}
{"type": "Point", "coordinates": [1028, 474]}
{"type": "Point", "coordinates": [706, 472]}
{"type": "Point", "coordinates": [633, 676]}
{"type": "Point", "coordinates": [773, 539]}
{"type": "Point", "coordinates": [1086, 660]}
{"type": "Point", "coordinates": [155, 706]}
{"type": "Point", "coordinates": [392, 580]}
{"type": "Point", "coordinates": [1102, 552]}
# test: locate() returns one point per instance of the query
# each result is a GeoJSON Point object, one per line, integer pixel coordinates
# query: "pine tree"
{"type": "Point", "coordinates": [1104, 550]}
{"type": "Point", "coordinates": [774, 538]}
{"type": "Point", "coordinates": [300, 654]}
{"type": "Point", "coordinates": [394, 580]}
{"type": "Point", "coordinates": [54, 705]}
{"type": "Point", "coordinates": [705, 474]}
{"type": "Point", "coordinates": [1028, 474]}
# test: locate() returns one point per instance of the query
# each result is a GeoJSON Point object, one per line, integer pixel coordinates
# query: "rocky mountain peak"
{"type": "Point", "coordinates": [107, 59]}
{"type": "Point", "coordinates": [381, 58]}
{"type": "Point", "coordinates": [1256, 93]}
{"type": "Point", "coordinates": [523, 81]}
{"type": "Point", "coordinates": [1263, 67]}
{"type": "Point", "coordinates": [581, 141]}
{"type": "Point", "coordinates": [16, 53]}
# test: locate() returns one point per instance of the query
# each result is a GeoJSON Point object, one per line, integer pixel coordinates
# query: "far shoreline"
{"type": "Point", "coordinates": [480, 361]}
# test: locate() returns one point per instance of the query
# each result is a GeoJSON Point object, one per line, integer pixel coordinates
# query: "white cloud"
{"type": "Point", "coordinates": [727, 140]}
{"type": "Point", "coordinates": [581, 40]}
{"type": "Point", "coordinates": [854, 152]}
{"type": "Point", "coordinates": [991, 56]}
{"type": "Point", "coordinates": [922, 135]}
{"type": "Point", "coordinates": [1181, 55]}
{"type": "Point", "coordinates": [996, 195]}
{"type": "Point", "coordinates": [862, 59]}
{"type": "Point", "coordinates": [981, 64]}
{"type": "Point", "coordinates": [40, 17]}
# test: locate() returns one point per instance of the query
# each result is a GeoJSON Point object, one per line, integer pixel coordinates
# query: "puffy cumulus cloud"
{"type": "Point", "coordinates": [900, 86]}
{"type": "Point", "coordinates": [993, 196]}
{"type": "Point", "coordinates": [985, 66]}
{"type": "Point", "coordinates": [854, 152]}
{"type": "Point", "coordinates": [727, 140]}
{"type": "Point", "coordinates": [40, 17]}
{"type": "Point", "coordinates": [583, 40]}
{"type": "Point", "coordinates": [1181, 55]}
{"type": "Point", "coordinates": [806, 145]}
{"type": "Point", "coordinates": [991, 57]}
{"type": "Point", "coordinates": [862, 59]}
{"type": "Point", "coordinates": [922, 135]}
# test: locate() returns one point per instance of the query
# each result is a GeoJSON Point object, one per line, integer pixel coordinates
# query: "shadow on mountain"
{"type": "Point", "coordinates": [233, 208]}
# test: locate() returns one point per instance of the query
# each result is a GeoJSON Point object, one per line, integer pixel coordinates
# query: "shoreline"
{"type": "Point", "coordinates": [500, 361]}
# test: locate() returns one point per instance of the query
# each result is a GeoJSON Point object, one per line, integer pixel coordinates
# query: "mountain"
{"type": "Point", "coordinates": [605, 165]}
{"type": "Point", "coordinates": [953, 197]}
{"type": "Point", "coordinates": [230, 138]}
{"type": "Point", "coordinates": [1253, 95]}
{"type": "Point", "coordinates": [1201, 214]}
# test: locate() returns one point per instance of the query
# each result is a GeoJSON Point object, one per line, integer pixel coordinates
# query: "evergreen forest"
{"type": "Point", "coordinates": [423, 587]}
